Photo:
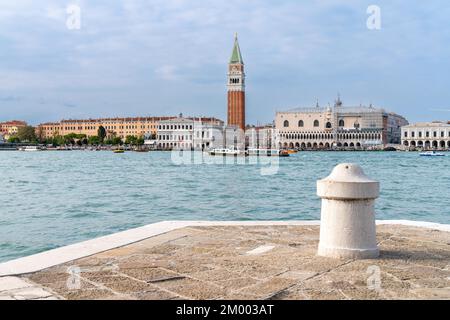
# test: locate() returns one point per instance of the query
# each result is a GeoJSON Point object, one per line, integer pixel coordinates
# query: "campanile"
{"type": "Point", "coordinates": [236, 88]}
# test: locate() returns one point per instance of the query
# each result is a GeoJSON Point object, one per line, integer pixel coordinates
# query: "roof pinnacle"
{"type": "Point", "coordinates": [236, 56]}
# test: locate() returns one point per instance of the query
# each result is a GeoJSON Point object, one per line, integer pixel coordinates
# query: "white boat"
{"type": "Point", "coordinates": [30, 148]}
{"type": "Point", "coordinates": [431, 154]}
{"type": "Point", "coordinates": [227, 152]}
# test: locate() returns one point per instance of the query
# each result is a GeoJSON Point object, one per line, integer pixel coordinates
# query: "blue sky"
{"type": "Point", "coordinates": [163, 57]}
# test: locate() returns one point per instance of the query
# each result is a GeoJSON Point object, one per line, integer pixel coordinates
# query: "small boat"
{"type": "Point", "coordinates": [431, 154]}
{"type": "Point", "coordinates": [30, 148]}
{"type": "Point", "coordinates": [283, 153]}
{"type": "Point", "coordinates": [119, 150]}
{"type": "Point", "coordinates": [292, 151]}
{"type": "Point", "coordinates": [227, 152]}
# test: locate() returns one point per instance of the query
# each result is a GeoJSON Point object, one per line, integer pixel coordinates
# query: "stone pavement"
{"type": "Point", "coordinates": [249, 262]}
{"type": "Point", "coordinates": [14, 288]}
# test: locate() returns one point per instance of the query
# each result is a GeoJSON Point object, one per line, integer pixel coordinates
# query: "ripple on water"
{"type": "Point", "coordinates": [63, 198]}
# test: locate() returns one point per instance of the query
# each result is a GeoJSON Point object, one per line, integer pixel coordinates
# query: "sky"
{"type": "Point", "coordinates": [165, 57]}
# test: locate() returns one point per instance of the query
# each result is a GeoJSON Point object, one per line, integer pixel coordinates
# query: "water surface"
{"type": "Point", "coordinates": [50, 199]}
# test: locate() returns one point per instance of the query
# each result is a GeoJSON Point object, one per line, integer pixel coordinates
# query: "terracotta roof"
{"type": "Point", "coordinates": [13, 123]}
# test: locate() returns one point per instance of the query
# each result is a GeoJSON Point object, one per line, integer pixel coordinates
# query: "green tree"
{"type": "Point", "coordinates": [101, 133]}
{"type": "Point", "coordinates": [94, 140]}
{"type": "Point", "coordinates": [131, 140]}
{"type": "Point", "coordinates": [69, 139]}
{"type": "Point", "coordinates": [116, 141]}
{"type": "Point", "coordinates": [74, 138]}
{"type": "Point", "coordinates": [27, 134]}
{"type": "Point", "coordinates": [59, 141]}
{"type": "Point", "coordinates": [40, 134]}
{"type": "Point", "coordinates": [13, 139]}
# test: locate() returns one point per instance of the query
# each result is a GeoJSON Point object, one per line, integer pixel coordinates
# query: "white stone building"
{"type": "Point", "coordinates": [262, 137]}
{"type": "Point", "coordinates": [189, 133]}
{"type": "Point", "coordinates": [338, 127]}
{"type": "Point", "coordinates": [427, 135]}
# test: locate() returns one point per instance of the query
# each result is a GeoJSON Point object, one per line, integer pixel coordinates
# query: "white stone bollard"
{"type": "Point", "coordinates": [347, 225]}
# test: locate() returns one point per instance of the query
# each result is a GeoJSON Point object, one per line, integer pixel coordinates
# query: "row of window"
{"type": "Point", "coordinates": [106, 127]}
{"type": "Point", "coordinates": [96, 128]}
{"type": "Point", "coordinates": [316, 123]}
{"type": "Point", "coordinates": [169, 136]}
{"type": "Point", "coordinates": [427, 134]}
{"type": "Point", "coordinates": [311, 136]}
{"type": "Point", "coordinates": [174, 137]}
{"type": "Point", "coordinates": [175, 127]}
{"type": "Point", "coordinates": [177, 145]}
{"type": "Point", "coordinates": [427, 144]}
{"type": "Point", "coordinates": [320, 145]}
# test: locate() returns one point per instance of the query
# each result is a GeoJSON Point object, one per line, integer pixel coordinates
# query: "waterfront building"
{"type": "Point", "coordinates": [10, 128]}
{"type": "Point", "coordinates": [338, 127]}
{"type": "Point", "coordinates": [189, 133]}
{"type": "Point", "coordinates": [119, 127]}
{"type": "Point", "coordinates": [236, 88]}
{"type": "Point", "coordinates": [261, 137]}
{"type": "Point", "coordinates": [426, 135]}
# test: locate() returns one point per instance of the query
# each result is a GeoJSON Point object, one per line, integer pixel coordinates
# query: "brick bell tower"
{"type": "Point", "coordinates": [236, 88]}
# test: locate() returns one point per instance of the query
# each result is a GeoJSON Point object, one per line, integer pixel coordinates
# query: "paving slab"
{"type": "Point", "coordinates": [268, 261]}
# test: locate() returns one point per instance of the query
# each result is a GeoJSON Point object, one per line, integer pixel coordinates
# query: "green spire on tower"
{"type": "Point", "coordinates": [236, 56]}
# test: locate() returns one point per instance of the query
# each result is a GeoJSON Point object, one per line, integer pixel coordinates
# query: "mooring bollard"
{"type": "Point", "coordinates": [347, 225]}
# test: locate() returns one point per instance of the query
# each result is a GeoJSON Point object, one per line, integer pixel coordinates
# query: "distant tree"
{"type": "Point", "coordinates": [75, 136]}
{"type": "Point", "coordinates": [140, 141]}
{"type": "Point", "coordinates": [13, 139]}
{"type": "Point", "coordinates": [116, 141]}
{"type": "Point", "coordinates": [59, 140]}
{"type": "Point", "coordinates": [93, 140]}
{"type": "Point", "coordinates": [40, 134]}
{"type": "Point", "coordinates": [101, 133]}
{"type": "Point", "coordinates": [69, 139]}
{"type": "Point", "coordinates": [27, 134]}
{"type": "Point", "coordinates": [131, 140]}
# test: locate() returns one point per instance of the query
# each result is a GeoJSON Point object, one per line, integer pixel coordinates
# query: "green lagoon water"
{"type": "Point", "coordinates": [51, 199]}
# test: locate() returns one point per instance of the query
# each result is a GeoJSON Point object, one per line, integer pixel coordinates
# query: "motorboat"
{"type": "Point", "coordinates": [227, 152]}
{"type": "Point", "coordinates": [30, 148]}
{"type": "Point", "coordinates": [431, 154]}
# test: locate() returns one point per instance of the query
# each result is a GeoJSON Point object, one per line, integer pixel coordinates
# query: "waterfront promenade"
{"type": "Point", "coordinates": [235, 260]}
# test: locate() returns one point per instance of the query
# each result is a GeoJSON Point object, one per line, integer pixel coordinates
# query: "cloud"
{"type": "Point", "coordinates": [166, 72]}
{"type": "Point", "coordinates": [294, 51]}
{"type": "Point", "coordinates": [9, 98]}
{"type": "Point", "coordinates": [69, 105]}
